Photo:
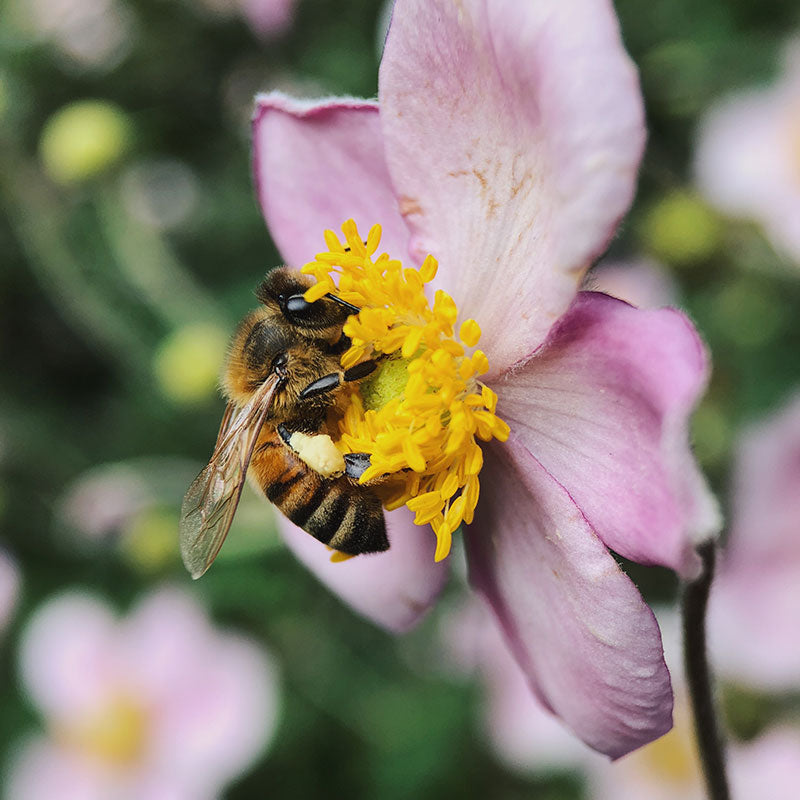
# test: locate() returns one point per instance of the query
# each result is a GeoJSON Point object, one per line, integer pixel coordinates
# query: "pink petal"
{"type": "Point", "coordinates": [746, 161]}
{"type": "Point", "coordinates": [577, 625]}
{"type": "Point", "coordinates": [165, 632]}
{"type": "Point", "coordinates": [393, 589]}
{"type": "Point", "coordinates": [68, 655]}
{"type": "Point", "coordinates": [604, 406]}
{"type": "Point", "coordinates": [317, 165]}
{"type": "Point", "coordinates": [513, 134]}
{"type": "Point", "coordinates": [219, 717]}
{"type": "Point", "coordinates": [769, 767]}
{"type": "Point", "coordinates": [522, 733]}
{"type": "Point", "coordinates": [39, 770]}
{"type": "Point", "coordinates": [753, 625]}
{"type": "Point", "coordinates": [755, 603]}
{"type": "Point", "coordinates": [766, 493]}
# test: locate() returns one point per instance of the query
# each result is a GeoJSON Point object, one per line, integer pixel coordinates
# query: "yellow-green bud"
{"type": "Point", "coordinates": [83, 139]}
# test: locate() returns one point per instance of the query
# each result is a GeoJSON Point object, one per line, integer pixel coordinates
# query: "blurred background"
{"type": "Point", "coordinates": [130, 245]}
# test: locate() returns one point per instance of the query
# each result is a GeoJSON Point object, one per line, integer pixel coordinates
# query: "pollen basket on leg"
{"type": "Point", "coordinates": [418, 415]}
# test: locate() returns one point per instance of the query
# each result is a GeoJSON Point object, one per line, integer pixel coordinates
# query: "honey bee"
{"type": "Point", "coordinates": [281, 379]}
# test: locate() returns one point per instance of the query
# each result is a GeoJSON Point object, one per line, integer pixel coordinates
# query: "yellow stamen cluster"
{"type": "Point", "coordinates": [421, 439]}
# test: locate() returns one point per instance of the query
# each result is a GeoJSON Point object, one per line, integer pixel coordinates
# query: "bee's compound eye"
{"type": "Point", "coordinates": [279, 362]}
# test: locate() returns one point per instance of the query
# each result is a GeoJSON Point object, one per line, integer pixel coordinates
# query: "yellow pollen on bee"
{"type": "Point", "coordinates": [419, 414]}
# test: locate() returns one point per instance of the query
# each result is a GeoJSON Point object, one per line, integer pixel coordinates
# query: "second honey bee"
{"type": "Point", "coordinates": [281, 380]}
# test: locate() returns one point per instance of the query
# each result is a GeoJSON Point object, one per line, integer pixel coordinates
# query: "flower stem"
{"type": "Point", "coordinates": [698, 676]}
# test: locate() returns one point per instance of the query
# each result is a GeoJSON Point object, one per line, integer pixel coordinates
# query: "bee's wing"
{"type": "Point", "coordinates": [210, 503]}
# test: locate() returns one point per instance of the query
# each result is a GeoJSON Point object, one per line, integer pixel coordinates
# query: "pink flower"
{"type": "Point", "coordinates": [158, 704]}
{"type": "Point", "coordinates": [505, 142]}
{"type": "Point", "coordinates": [748, 158]}
{"type": "Point", "coordinates": [755, 603]}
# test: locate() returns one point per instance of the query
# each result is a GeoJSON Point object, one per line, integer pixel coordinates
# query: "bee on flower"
{"type": "Point", "coordinates": [551, 424]}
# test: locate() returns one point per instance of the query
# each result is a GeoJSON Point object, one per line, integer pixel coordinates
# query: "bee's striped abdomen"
{"type": "Point", "coordinates": [336, 511]}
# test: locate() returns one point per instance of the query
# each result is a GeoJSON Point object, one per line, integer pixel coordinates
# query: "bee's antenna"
{"type": "Point", "coordinates": [350, 306]}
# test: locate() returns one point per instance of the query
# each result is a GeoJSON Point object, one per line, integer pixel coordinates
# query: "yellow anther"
{"type": "Point", "coordinates": [444, 540]}
{"type": "Point", "coordinates": [470, 333]}
{"type": "Point", "coordinates": [317, 291]}
{"type": "Point", "coordinates": [428, 269]}
{"type": "Point", "coordinates": [489, 398]}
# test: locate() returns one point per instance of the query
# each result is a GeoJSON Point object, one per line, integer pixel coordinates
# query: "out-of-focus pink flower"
{"type": "Point", "coordinates": [506, 142]}
{"type": "Point", "coordinates": [91, 33]}
{"type": "Point", "coordinates": [9, 588]}
{"type": "Point", "coordinates": [642, 283]}
{"type": "Point", "coordinates": [748, 156]}
{"type": "Point", "coordinates": [755, 603]}
{"type": "Point", "coordinates": [266, 18]}
{"type": "Point", "coordinates": [668, 769]}
{"type": "Point", "coordinates": [158, 704]}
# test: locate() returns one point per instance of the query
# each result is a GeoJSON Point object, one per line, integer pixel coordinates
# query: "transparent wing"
{"type": "Point", "coordinates": [210, 503]}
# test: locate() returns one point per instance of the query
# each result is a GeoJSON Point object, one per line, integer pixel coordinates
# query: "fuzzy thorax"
{"type": "Point", "coordinates": [418, 416]}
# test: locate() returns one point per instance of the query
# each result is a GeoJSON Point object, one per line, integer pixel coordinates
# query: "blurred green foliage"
{"type": "Point", "coordinates": [101, 298]}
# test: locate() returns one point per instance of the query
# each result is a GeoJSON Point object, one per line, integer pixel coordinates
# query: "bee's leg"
{"type": "Point", "coordinates": [327, 383]}
{"type": "Point", "coordinates": [355, 464]}
{"type": "Point", "coordinates": [338, 347]}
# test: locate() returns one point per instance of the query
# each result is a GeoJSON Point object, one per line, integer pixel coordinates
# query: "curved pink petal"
{"type": "Point", "coordinates": [513, 133]}
{"type": "Point", "coordinates": [524, 735]}
{"type": "Point", "coordinates": [317, 165]}
{"type": "Point", "coordinates": [604, 406]}
{"type": "Point", "coordinates": [69, 659]}
{"type": "Point", "coordinates": [393, 589]}
{"type": "Point", "coordinates": [578, 627]}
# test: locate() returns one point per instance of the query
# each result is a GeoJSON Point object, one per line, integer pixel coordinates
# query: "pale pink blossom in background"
{"type": "Point", "coordinates": [754, 616]}
{"type": "Point", "coordinates": [102, 500]}
{"type": "Point", "coordinates": [266, 18]}
{"type": "Point", "coordinates": [89, 33]}
{"type": "Point", "coordinates": [643, 283]}
{"type": "Point", "coordinates": [10, 581]}
{"type": "Point", "coordinates": [748, 155]}
{"type": "Point", "coordinates": [505, 141]}
{"type": "Point", "coordinates": [767, 767]}
{"type": "Point", "coordinates": [155, 704]}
